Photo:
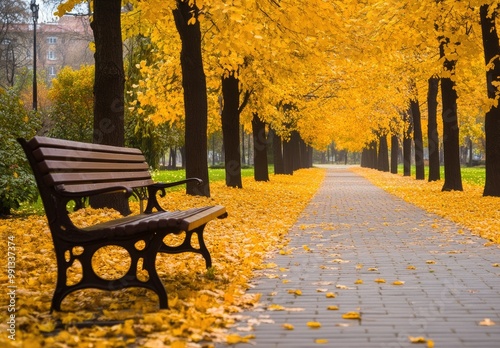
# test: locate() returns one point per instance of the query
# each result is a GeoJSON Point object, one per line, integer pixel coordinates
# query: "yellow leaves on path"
{"type": "Point", "coordinates": [288, 326]}
{"type": "Point", "coordinates": [233, 338]}
{"type": "Point", "coordinates": [487, 322]}
{"type": "Point", "coordinates": [202, 303]}
{"type": "Point", "coordinates": [468, 207]}
{"type": "Point", "coordinates": [351, 315]}
{"type": "Point", "coordinates": [314, 324]}
{"type": "Point", "coordinates": [420, 339]}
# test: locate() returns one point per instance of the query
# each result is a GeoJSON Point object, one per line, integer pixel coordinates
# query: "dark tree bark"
{"type": "Point", "coordinates": [417, 139]}
{"type": "Point", "coordinates": [492, 119]}
{"type": "Point", "coordinates": [407, 144]}
{"type": "Point", "coordinates": [394, 154]}
{"type": "Point", "coordinates": [109, 125]}
{"type": "Point", "coordinates": [432, 129]}
{"type": "Point", "coordinates": [231, 131]}
{"type": "Point", "coordinates": [261, 172]}
{"type": "Point", "coordinates": [451, 144]}
{"type": "Point", "coordinates": [288, 156]}
{"type": "Point", "coordinates": [278, 162]}
{"type": "Point", "coordinates": [195, 97]}
{"type": "Point", "coordinates": [304, 153]}
{"type": "Point", "coordinates": [383, 154]}
{"type": "Point", "coordinates": [369, 156]}
{"type": "Point", "coordinates": [295, 148]}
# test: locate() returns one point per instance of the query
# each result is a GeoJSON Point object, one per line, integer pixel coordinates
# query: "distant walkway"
{"type": "Point", "coordinates": [353, 230]}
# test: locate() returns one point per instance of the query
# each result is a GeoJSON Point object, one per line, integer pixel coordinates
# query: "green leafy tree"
{"type": "Point", "coordinates": [72, 114]}
{"type": "Point", "coordinates": [16, 182]}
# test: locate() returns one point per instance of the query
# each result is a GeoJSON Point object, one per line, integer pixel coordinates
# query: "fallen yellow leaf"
{"type": "Point", "coordinates": [314, 324]}
{"type": "Point", "coordinates": [487, 322]}
{"type": "Point", "coordinates": [358, 281]}
{"type": "Point", "coordinates": [411, 267]}
{"type": "Point", "coordinates": [398, 282]}
{"type": "Point", "coordinates": [351, 315]}
{"type": "Point", "coordinates": [321, 341]}
{"type": "Point", "coordinates": [430, 262]}
{"type": "Point", "coordinates": [288, 326]}
{"type": "Point", "coordinates": [418, 339]}
{"type": "Point", "coordinates": [332, 308]}
{"type": "Point", "coordinates": [275, 307]}
{"type": "Point", "coordinates": [379, 280]}
{"type": "Point", "coordinates": [330, 295]}
{"type": "Point", "coordinates": [234, 338]}
{"type": "Point", "coordinates": [295, 292]}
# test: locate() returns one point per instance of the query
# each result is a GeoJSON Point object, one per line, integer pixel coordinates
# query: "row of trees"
{"type": "Point", "coordinates": [348, 71]}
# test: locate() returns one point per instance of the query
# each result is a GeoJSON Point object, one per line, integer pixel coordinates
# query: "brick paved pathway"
{"type": "Point", "coordinates": [353, 230]}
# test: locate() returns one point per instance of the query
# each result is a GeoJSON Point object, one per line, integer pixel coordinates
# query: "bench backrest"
{"type": "Point", "coordinates": [77, 167]}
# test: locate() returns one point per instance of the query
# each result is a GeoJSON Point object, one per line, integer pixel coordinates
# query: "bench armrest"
{"type": "Point", "coordinates": [161, 186]}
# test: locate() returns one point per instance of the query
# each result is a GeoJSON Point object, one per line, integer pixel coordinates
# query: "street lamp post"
{"type": "Point", "coordinates": [34, 12]}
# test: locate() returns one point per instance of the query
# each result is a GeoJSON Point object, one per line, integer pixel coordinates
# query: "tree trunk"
{"type": "Point", "coordinates": [243, 160]}
{"type": "Point", "coordinates": [407, 144]}
{"type": "Point", "coordinates": [195, 97]}
{"type": "Point", "coordinates": [394, 154]}
{"type": "Point", "coordinates": [261, 172]}
{"type": "Point", "coordinates": [288, 156]}
{"type": "Point", "coordinates": [383, 154]}
{"type": "Point", "coordinates": [417, 139]}
{"type": "Point", "coordinates": [278, 161]}
{"type": "Point", "coordinates": [451, 145]}
{"type": "Point", "coordinates": [295, 148]}
{"type": "Point", "coordinates": [492, 119]}
{"type": "Point", "coordinates": [432, 129]}
{"type": "Point", "coordinates": [109, 125]}
{"type": "Point", "coordinates": [231, 131]}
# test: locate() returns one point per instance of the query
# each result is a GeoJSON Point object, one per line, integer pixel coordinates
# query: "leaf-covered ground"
{"type": "Point", "coordinates": [469, 208]}
{"type": "Point", "coordinates": [202, 303]}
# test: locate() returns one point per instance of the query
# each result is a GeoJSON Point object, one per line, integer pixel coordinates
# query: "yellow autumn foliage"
{"type": "Point", "coordinates": [202, 303]}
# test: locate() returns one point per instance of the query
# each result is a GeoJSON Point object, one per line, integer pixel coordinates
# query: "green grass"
{"type": "Point", "coordinates": [470, 175]}
{"type": "Point", "coordinates": [215, 174]}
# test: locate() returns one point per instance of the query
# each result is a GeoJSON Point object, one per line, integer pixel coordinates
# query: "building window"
{"type": "Point", "coordinates": [51, 55]}
{"type": "Point", "coordinates": [52, 71]}
{"type": "Point", "coordinates": [52, 40]}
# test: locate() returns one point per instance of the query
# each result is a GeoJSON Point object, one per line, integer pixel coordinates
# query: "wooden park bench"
{"type": "Point", "coordinates": [71, 171]}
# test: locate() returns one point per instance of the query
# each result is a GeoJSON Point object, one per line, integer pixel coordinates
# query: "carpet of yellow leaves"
{"type": "Point", "coordinates": [202, 303]}
{"type": "Point", "coordinates": [469, 208]}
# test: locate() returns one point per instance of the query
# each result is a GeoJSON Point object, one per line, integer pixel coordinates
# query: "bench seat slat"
{"type": "Point", "coordinates": [73, 166]}
{"type": "Point", "coordinates": [45, 153]}
{"type": "Point", "coordinates": [185, 220]}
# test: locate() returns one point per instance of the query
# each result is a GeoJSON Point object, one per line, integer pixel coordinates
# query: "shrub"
{"type": "Point", "coordinates": [16, 180]}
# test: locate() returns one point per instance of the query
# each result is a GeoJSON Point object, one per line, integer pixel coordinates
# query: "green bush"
{"type": "Point", "coordinates": [16, 180]}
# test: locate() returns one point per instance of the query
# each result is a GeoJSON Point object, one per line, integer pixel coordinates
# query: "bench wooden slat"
{"type": "Point", "coordinates": [52, 165]}
{"type": "Point", "coordinates": [181, 220]}
{"type": "Point", "coordinates": [82, 188]}
{"type": "Point", "coordinates": [45, 153]}
{"type": "Point", "coordinates": [70, 144]}
{"type": "Point", "coordinates": [73, 178]}
{"type": "Point", "coordinates": [210, 213]}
